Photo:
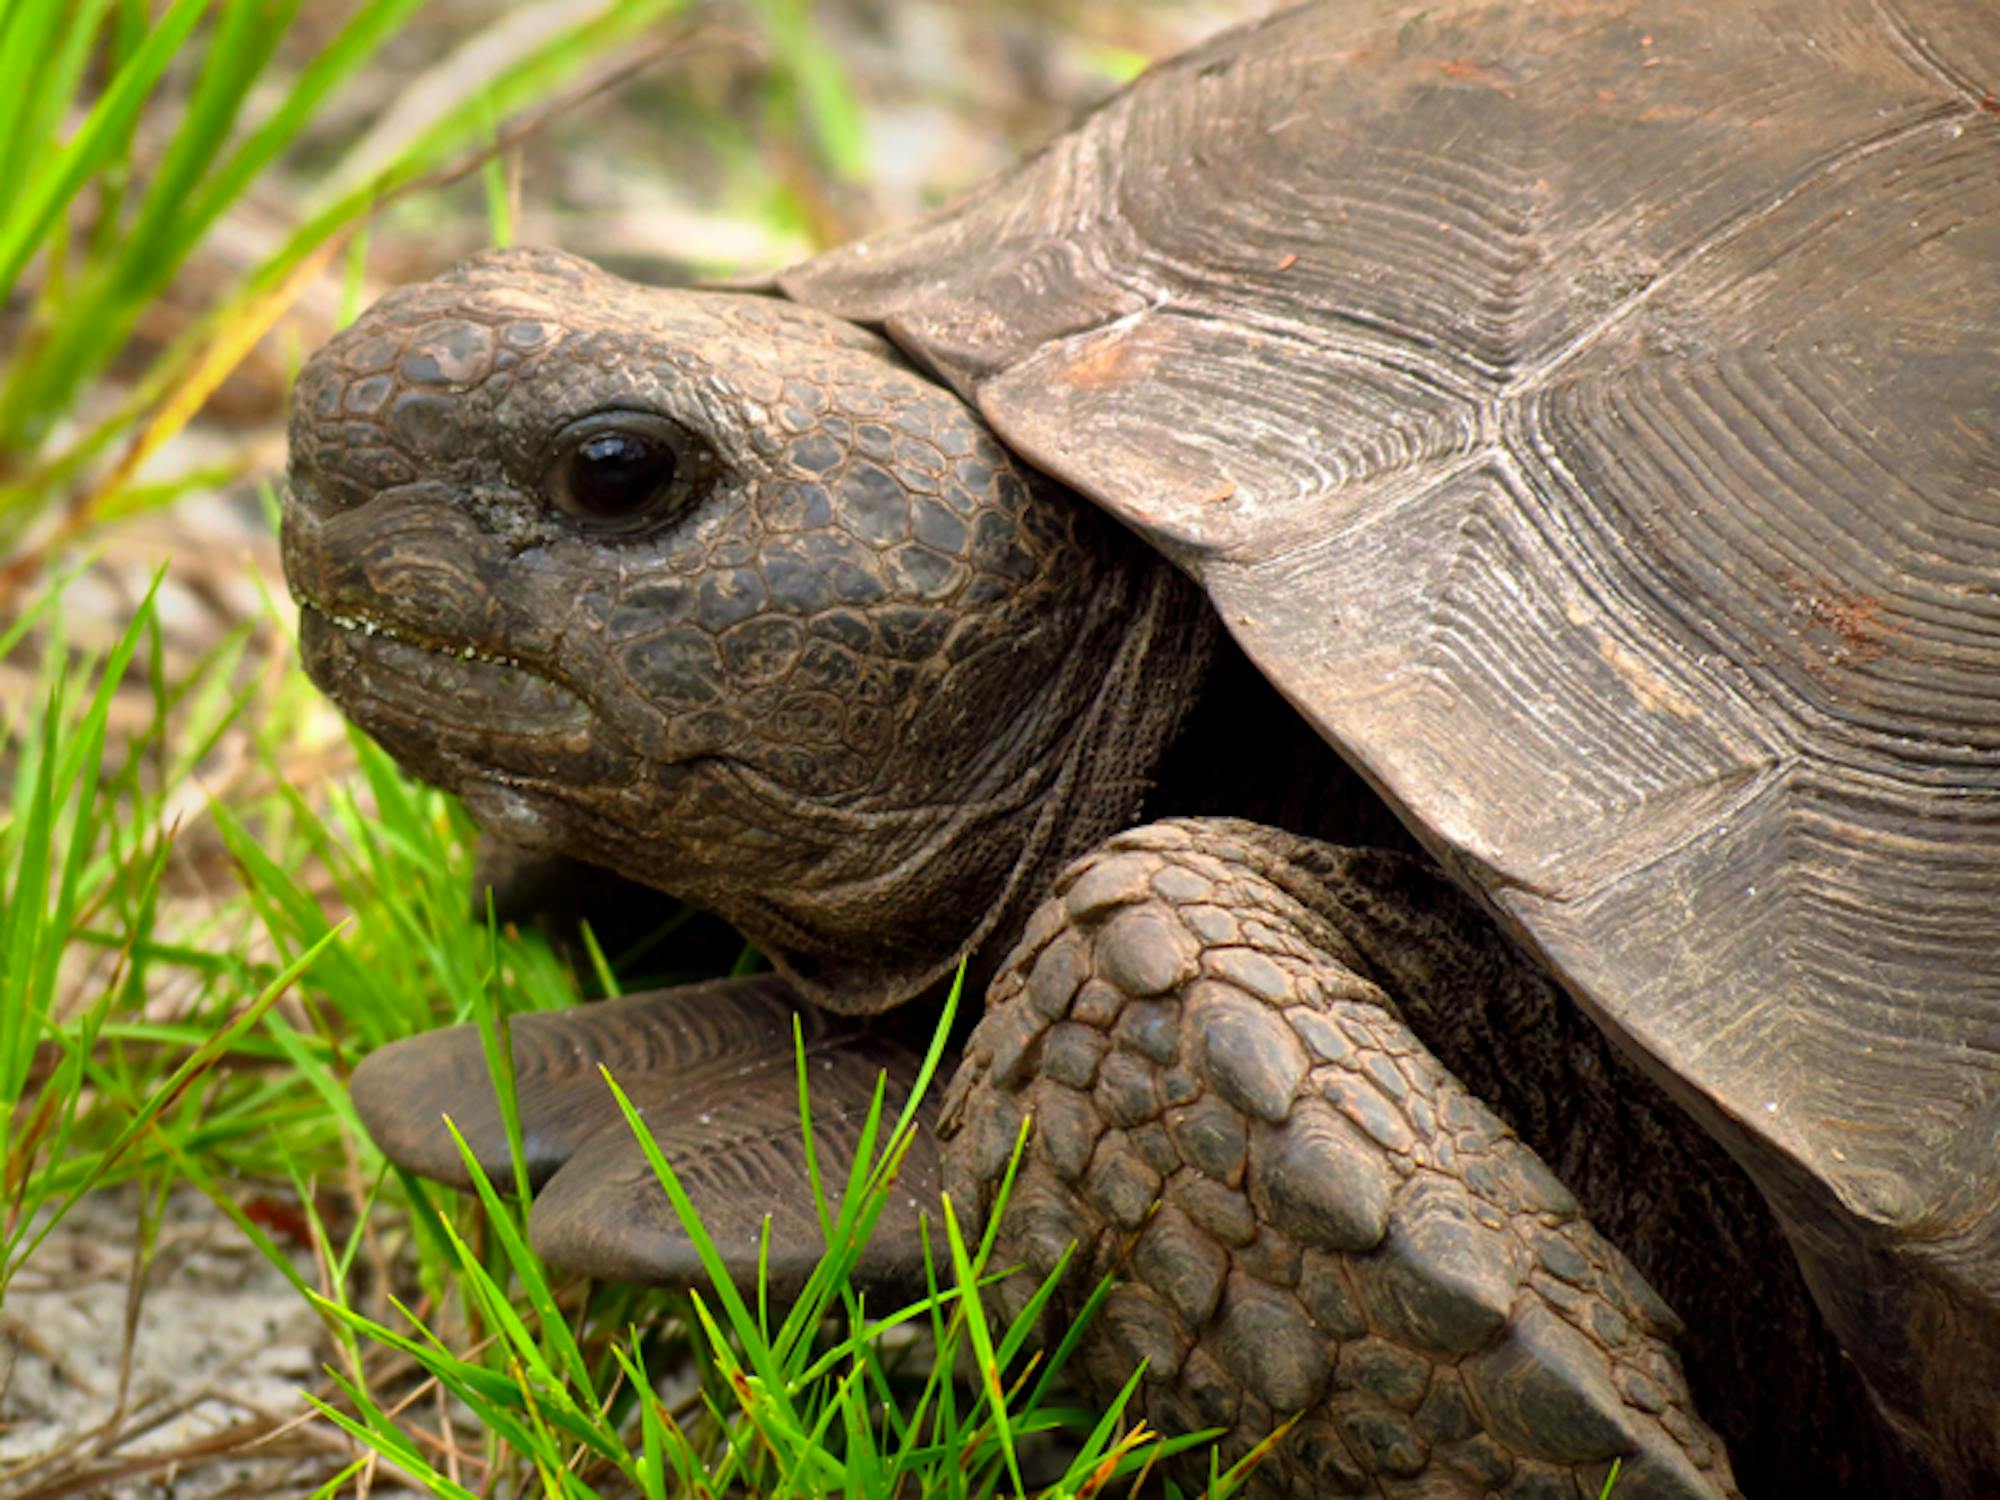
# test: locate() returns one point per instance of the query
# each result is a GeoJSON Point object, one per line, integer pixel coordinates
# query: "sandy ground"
{"type": "Point", "coordinates": [128, 1389]}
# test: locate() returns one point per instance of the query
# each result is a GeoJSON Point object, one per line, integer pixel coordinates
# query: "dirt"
{"type": "Point", "coordinates": [169, 1399]}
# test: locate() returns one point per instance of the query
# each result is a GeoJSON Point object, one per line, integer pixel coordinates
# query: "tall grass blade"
{"type": "Point", "coordinates": [64, 171]}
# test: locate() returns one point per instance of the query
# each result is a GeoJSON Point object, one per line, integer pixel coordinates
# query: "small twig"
{"type": "Point", "coordinates": [451, 1460]}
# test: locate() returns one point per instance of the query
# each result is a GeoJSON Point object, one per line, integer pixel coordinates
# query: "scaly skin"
{"type": "Point", "coordinates": [1308, 1216]}
{"type": "Point", "coordinates": [864, 686]}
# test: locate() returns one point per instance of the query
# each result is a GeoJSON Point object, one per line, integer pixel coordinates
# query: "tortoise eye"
{"type": "Point", "coordinates": [617, 467]}
{"type": "Point", "coordinates": [617, 473]}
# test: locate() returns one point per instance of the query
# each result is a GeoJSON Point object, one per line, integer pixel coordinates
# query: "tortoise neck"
{"type": "Point", "coordinates": [1081, 771]}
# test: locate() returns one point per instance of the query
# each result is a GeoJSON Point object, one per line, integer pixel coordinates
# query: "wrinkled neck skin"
{"type": "Point", "coordinates": [852, 679]}
{"type": "Point", "coordinates": [901, 895]}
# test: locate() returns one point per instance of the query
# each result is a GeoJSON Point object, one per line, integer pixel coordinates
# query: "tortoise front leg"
{"type": "Point", "coordinates": [1307, 1215]}
{"type": "Point", "coordinates": [712, 1069]}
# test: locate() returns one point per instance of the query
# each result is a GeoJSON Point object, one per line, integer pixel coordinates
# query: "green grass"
{"type": "Point", "coordinates": [813, 1404]}
{"type": "Point", "coordinates": [101, 220]}
{"type": "Point", "coordinates": [246, 1086]}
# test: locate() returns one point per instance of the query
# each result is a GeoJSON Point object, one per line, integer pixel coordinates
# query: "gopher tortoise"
{"type": "Point", "coordinates": [1584, 418]}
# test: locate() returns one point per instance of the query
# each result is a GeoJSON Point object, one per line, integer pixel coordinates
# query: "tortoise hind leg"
{"type": "Point", "coordinates": [712, 1070]}
{"type": "Point", "coordinates": [1305, 1213]}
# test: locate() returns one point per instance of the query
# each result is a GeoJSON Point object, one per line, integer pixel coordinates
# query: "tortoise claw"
{"type": "Point", "coordinates": [743, 1165]}
{"type": "Point", "coordinates": [711, 1070]}
{"type": "Point", "coordinates": [663, 1047]}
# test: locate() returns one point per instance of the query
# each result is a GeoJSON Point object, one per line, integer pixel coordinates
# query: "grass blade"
{"type": "Point", "coordinates": [982, 1343]}
{"type": "Point", "coordinates": [64, 172]}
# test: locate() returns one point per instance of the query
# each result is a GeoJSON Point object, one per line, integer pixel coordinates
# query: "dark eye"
{"type": "Point", "coordinates": [617, 473]}
{"type": "Point", "coordinates": [617, 467]}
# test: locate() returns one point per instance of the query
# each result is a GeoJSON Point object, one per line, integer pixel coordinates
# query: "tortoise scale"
{"type": "Point", "coordinates": [1584, 418]}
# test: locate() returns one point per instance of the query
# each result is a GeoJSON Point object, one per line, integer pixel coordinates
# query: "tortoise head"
{"type": "Point", "coordinates": [716, 591]}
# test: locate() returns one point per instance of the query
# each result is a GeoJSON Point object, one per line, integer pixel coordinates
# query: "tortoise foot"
{"type": "Point", "coordinates": [711, 1068]}
{"type": "Point", "coordinates": [1306, 1215]}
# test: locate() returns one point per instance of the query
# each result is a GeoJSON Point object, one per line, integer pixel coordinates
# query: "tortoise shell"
{"type": "Point", "coordinates": [1588, 415]}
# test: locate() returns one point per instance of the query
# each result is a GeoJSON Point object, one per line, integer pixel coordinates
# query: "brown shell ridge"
{"type": "Point", "coordinates": [1826, 170]}
{"type": "Point", "coordinates": [1459, 601]}
{"type": "Point", "coordinates": [1770, 1021]}
{"type": "Point", "coordinates": [1221, 489]}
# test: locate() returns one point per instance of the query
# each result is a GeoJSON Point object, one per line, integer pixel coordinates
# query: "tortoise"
{"type": "Point", "coordinates": [1418, 599]}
